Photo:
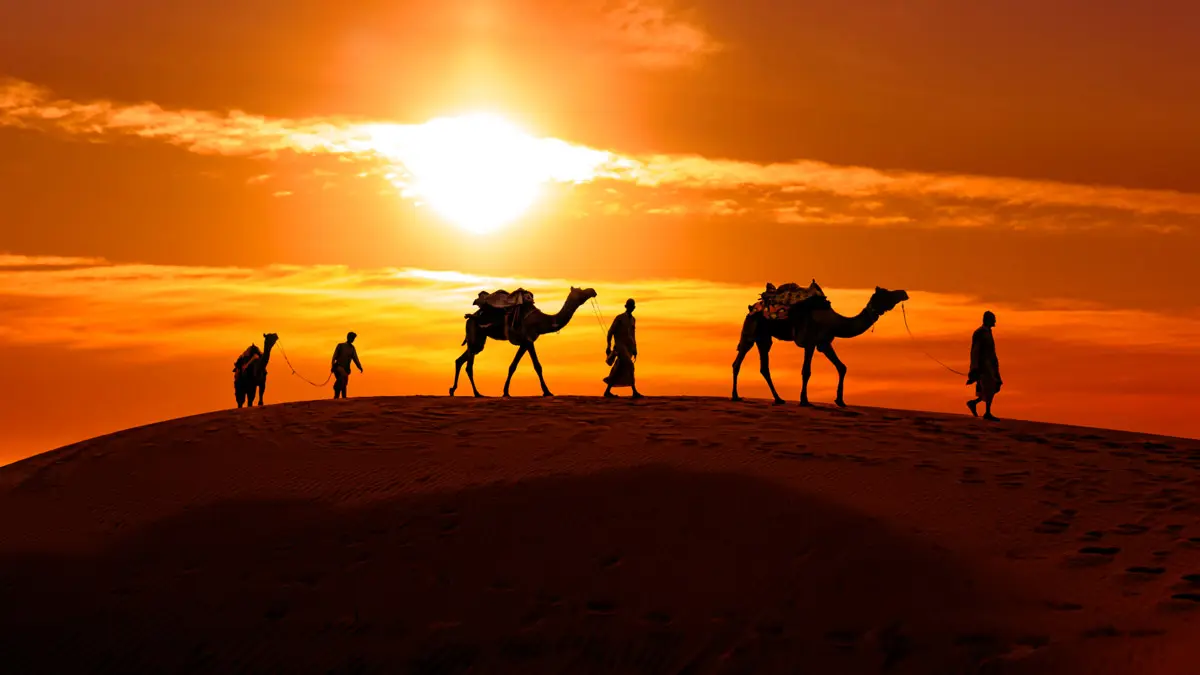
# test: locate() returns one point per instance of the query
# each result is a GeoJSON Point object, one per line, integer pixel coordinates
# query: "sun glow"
{"type": "Point", "coordinates": [479, 171]}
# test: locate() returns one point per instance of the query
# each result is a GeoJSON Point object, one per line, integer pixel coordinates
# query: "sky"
{"type": "Point", "coordinates": [178, 178]}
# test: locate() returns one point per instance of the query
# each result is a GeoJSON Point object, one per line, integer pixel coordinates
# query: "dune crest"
{"type": "Point", "coordinates": [584, 535]}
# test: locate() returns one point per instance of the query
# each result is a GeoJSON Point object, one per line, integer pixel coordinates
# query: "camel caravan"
{"type": "Point", "coordinates": [792, 313]}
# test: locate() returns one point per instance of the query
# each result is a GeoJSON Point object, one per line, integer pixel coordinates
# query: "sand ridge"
{"type": "Point", "coordinates": [585, 535]}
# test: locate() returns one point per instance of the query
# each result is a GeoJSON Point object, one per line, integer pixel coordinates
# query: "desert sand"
{"type": "Point", "coordinates": [579, 535]}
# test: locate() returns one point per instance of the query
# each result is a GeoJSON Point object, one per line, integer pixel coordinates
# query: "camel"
{"type": "Point", "coordinates": [252, 378]}
{"type": "Point", "coordinates": [530, 326]}
{"type": "Point", "coordinates": [812, 325]}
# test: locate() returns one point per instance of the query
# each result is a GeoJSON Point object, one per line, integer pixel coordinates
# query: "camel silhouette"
{"type": "Point", "coordinates": [251, 378]}
{"type": "Point", "coordinates": [813, 325]}
{"type": "Point", "coordinates": [533, 324]}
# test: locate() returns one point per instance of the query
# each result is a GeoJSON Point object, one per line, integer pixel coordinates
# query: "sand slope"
{"type": "Point", "coordinates": [581, 535]}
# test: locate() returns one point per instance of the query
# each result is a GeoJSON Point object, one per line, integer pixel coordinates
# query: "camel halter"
{"type": "Point", "coordinates": [914, 339]}
{"type": "Point", "coordinates": [288, 361]}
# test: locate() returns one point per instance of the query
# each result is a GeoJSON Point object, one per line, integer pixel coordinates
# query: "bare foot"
{"type": "Point", "coordinates": [609, 394]}
{"type": "Point", "coordinates": [637, 395]}
{"type": "Point", "coordinates": [990, 417]}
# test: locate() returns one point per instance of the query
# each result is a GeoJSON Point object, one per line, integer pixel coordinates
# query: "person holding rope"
{"type": "Point", "coordinates": [985, 367]}
{"type": "Point", "coordinates": [343, 355]}
{"type": "Point", "coordinates": [622, 336]}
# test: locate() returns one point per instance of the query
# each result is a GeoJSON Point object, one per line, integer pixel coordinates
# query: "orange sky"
{"type": "Point", "coordinates": [1040, 160]}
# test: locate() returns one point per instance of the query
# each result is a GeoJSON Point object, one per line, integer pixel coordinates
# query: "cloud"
{"type": "Point", "coordinates": [658, 184]}
{"type": "Point", "coordinates": [655, 35]}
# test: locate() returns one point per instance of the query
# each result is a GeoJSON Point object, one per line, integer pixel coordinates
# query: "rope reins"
{"type": "Point", "coordinates": [599, 316]}
{"type": "Point", "coordinates": [914, 339]}
{"type": "Point", "coordinates": [289, 362]}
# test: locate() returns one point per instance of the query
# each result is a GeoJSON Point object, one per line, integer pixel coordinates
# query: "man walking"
{"type": "Point", "coordinates": [985, 367]}
{"type": "Point", "coordinates": [343, 356]}
{"type": "Point", "coordinates": [621, 351]}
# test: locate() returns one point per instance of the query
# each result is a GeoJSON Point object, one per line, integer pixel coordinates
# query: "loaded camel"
{"type": "Point", "coordinates": [813, 325]}
{"type": "Point", "coordinates": [532, 324]}
{"type": "Point", "coordinates": [250, 371]}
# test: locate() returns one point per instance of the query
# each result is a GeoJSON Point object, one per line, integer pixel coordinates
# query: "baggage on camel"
{"type": "Point", "coordinates": [252, 352]}
{"type": "Point", "coordinates": [502, 306]}
{"type": "Point", "coordinates": [775, 303]}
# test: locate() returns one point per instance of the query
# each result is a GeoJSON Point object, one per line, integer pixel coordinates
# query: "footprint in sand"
{"type": "Point", "coordinates": [657, 617]}
{"type": "Point", "coordinates": [602, 607]}
{"type": "Point", "coordinates": [1092, 556]}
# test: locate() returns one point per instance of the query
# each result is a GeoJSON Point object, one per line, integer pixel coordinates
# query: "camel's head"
{"type": "Point", "coordinates": [883, 300]}
{"type": "Point", "coordinates": [582, 295]}
{"type": "Point", "coordinates": [269, 340]}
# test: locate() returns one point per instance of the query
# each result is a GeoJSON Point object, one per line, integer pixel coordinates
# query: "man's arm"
{"type": "Point", "coordinates": [354, 357]}
{"type": "Point", "coordinates": [611, 331]}
{"type": "Point", "coordinates": [333, 360]}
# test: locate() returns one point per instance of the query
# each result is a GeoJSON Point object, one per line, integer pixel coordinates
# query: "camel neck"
{"type": "Point", "coordinates": [551, 323]}
{"type": "Point", "coordinates": [266, 357]}
{"type": "Point", "coordinates": [853, 326]}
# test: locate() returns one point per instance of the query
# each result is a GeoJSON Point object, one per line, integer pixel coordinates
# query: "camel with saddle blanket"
{"type": "Point", "coordinates": [250, 371]}
{"type": "Point", "coordinates": [803, 315]}
{"type": "Point", "coordinates": [514, 318]}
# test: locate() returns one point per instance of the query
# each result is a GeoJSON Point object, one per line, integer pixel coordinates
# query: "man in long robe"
{"type": "Point", "coordinates": [343, 355]}
{"type": "Point", "coordinates": [621, 351]}
{"type": "Point", "coordinates": [985, 367]}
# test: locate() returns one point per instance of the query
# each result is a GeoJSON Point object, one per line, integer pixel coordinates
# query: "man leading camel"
{"type": "Point", "coordinates": [343, 355]}
{"type": "Point", "coordinates": [985, 367]}
{"type": "Point", "coordinates": [622, 335]}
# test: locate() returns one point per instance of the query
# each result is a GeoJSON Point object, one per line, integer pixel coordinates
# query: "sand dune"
{"type": "Point", "coordinates": [582, 535]}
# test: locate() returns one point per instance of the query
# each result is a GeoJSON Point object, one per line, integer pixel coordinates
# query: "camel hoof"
{"type": "Point", "coordinates": [780, 401]}
{"type": "Point", "coordinates": [479, 395]}
{"type": "Point", "coordinates": [451, 391]}
{"type": "Point", "coordinates": [840, 403]}
{"type": "Point", "coordinates": [805, 404]}
{"type": "Point", "coordinates": [736, 399]}
{"type": "Point", "coordinates": [546, 394]}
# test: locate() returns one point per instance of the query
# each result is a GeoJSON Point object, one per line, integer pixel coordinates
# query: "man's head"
{"type": "Point", "coordinates": [350, 336]}
{"type": "Point", "coordinates": [630, 305]}
{"type": "Point", "coordinates": [989, 319]}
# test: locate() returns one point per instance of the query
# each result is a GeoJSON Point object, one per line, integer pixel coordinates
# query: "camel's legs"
{"type": "Point", "coordinates": [827, 350]}
{"type": "Point", "coordinates": [458, 364]}
{"type": "Point", "coordinates": [241, 396]}
{"type": "Point", "coordinates": [471, 375]}
{"type": "Point", "coordinates": [806, 373]}
{"type": "Point", "coordinates": [262, 389]}
{"type": "Point", "coordinates": [537, 368]}
{"type": "Point", "coordinates": [512, 368]}
{"type": "Point", "coordinates": [743, 349]}
{"type": "Point", "coordinates": [764, 367]}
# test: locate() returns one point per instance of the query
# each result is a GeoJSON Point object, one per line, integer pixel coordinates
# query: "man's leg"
{"type": "Point", "coordinates": [972, 405]}
{"type": "Point", "coordinates": [987, 415]}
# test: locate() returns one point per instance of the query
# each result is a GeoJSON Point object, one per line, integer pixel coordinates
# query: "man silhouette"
{"type": "Point", "coordinates": [985, 367]}
{"type": "Point", "coordinates": [343, 355]}
{"type": "Point", "coordinates": [622, 336]}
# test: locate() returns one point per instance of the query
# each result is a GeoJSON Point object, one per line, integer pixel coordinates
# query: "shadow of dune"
{"type": "Point", "coordinates": [649, 570]}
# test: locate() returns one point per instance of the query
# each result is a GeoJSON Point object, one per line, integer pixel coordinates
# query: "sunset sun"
{"type": "Point", "coordinates": [480, 171]}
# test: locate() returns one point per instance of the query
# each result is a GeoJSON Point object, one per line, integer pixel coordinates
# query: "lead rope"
{"type": "Point", "coordinates": [599, 317]}
{"type": "Point", "coordinates": [289, 362]}
{"type": "Point", "coordinates": [914, 339]}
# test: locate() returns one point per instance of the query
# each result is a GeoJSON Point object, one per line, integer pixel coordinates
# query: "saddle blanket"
{"type": "Point", "coordinates": [503, 299]}
{"type": "Point", "coordinates": [774, 303]}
